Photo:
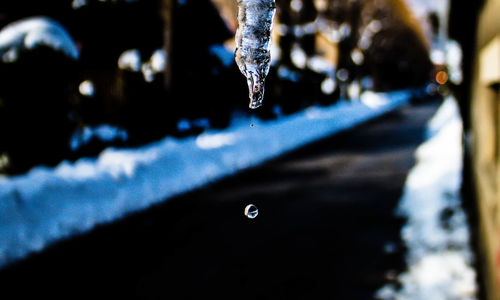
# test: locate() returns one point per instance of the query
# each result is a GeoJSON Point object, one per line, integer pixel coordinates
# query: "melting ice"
{"type": "Point", "coordinates": [253, 39]}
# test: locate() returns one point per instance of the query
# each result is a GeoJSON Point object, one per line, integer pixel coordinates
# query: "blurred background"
{"type": "Point", "coordinates": [128, 153]}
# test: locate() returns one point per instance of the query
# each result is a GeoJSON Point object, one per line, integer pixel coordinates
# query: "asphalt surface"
{"type": "Point", "coordinates": [326, 230]}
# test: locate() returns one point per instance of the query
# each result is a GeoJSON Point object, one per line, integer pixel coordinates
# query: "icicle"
{"type": "Point", "coordinates": [253, 39]}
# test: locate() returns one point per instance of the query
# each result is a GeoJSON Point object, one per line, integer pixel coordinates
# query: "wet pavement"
{"type": "Point", "coordinates": [325, 230]}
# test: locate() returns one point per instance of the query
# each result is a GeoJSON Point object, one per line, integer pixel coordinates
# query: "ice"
{"type": "Point", "coordinates": [357, 56]}
{"type": "Point", "coordinates": [296, 5]}
{"type": "Point", "coordinates": [153, 67]}
{"type": "Point", "coordinates": [253, 43]}
{"type": "Point", "coordinates": [320, 65]}
{"type": "Point", "coordinates": [439, 255]}
{"type": "Point", "coordinates": [286, 73]}
{"type": "Point", "coordinates": [130, 60]}
{"type": "Point", "coordinates": [76, 4]}
{"type": "Point", "coordinates": [31, 33]}
{"type": "Point", "coordinates": [86, 88]}
{"type": "Point", "coordinates": [298, 56]}
{"type": "Point", "coordinates": [158, 60]}
{"type": "Point", "coordinates": [224, 55]}
{"type": "Point", "coordinates": [104, 132]}
{"type": "Point", "coordinates": [47, 204]}
{"type": "Point", "coordinates": [328, 86]}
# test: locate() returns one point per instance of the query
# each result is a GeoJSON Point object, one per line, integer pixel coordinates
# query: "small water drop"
{"type": "Point", "coordinates": [251, 211]}
{"type": "Point", "coordinates": [251, 125]}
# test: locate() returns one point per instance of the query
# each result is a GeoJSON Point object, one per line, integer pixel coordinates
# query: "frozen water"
{"type": "Point", "coordinates": [357, 56]}
{"type": "Point", "coordinates": [158, 60]}
{"type": "Point", "coordinates": [296, 5]}
{"type": "Point", "coordinates": [251, 211]}
{"type": "Point", "coordinates": [104, 132]}
{"type": "Point", "coordinates": [86, 88]}
{"type": "Point", "coordinates": [286, 73]}
{"type": "Point", "coordinates": [354, 90]}
{"type": "Point", "coordinates": [130, 60]}
{"type": "Point", "coordinates": [298, 56]}
{"type": "Point", "coordinates": [46, 204]}
{"type": "Point", "coordinates": [224, 55]}
{"type": "Point", "coordinates": [76, 4]}
{"type": "Point", "coordinates": [328, 86]}
{"type": "Point", "coordinates": [320, 65]}
{"type": "Point", "coordinates": [439, 256]}
{"type": "Point", "coordinates": [253, 41]}
{"type": "Point", "coordinates": [34, 32]}
{"type": "Point", "coordinates": [345, 30]}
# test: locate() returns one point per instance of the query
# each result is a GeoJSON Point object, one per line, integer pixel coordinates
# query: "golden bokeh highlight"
{"type": "Point", "coordinates": [442, 77]}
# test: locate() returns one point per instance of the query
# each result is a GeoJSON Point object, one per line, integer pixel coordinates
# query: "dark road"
{"type": "Point", "coordinates": [326, 230]}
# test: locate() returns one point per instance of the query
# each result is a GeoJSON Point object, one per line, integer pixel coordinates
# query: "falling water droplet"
{"type": "Point", "coordinates": [251, 125]}
{"type": "Point", "coordinates": [251, 211]}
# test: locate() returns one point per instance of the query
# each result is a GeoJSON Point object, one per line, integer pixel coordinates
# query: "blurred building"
{"type": "Point", "coordinates": [477, 26]}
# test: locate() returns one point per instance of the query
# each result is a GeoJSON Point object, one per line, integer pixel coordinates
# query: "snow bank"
{"type": "Point", "coordinates": [48, 204]}
{"type": "Point", "coordinates": [34, 32]}
{"type": "Point", "coordinates": [104, 132]}
{"type": "Point", "coordinates": [436, 233]}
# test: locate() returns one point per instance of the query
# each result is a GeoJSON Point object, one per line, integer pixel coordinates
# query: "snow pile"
{"type": "Point", "coordinates": [436, 233]}
{"type": "Point", "coordinates": [155, 65]}
{"type": "Point", "coordinates": [225, 56]}
{"type": "Point", "coordinates": [86, 88]}
{"type": "Point", "coordinates": [130, 60]}
{"type": "Point", "coordinates": [104, 132]}
{"type": "Point", "coordinates": [48, 204]}
{"type": "Point", "coordinates": [34, 32]}
{"type": "Point", "coordinates": [423, 7]}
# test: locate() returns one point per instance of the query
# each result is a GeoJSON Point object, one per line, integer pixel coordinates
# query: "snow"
{"type": "Point", "coordinates": [48, 204]}
{"type": "Point", "coordinates": [424, 7]}
{"type": "Point", "coordinates": [30, 33]}
{"type": "Point", "coordinates": [320, 65]}
{"type": "Point", "coordinates": [86, 88]}
{"type": "Point", "coordinates": [76, 4]}
{"type": "Point", "coordinates": [454, 61]}
{"type": "Point", "coordinates": [328, 86]}
{"type": "Point", "coordinates": [130, 60]}
{"type": "Point", "coordinates": [286, 73]}
{"type": "Point", "coordinates": [439, 255]}
{"type": "Point", "coordinates": [185, 124]}
{"type": "Point", "coordinates": [298, 56]}
{"type": "Point", "coordinates": [225, 56]}
{"type": "Point", "coordinates": [105, 133]}
{"type": "Point", "coordinates": [354, 90]}
{"type": "Point", "coordinates": [296, 5]}
{"type": "Point", "coordinates": [158, 60]}
{"type": "Point", "coordinates": [372, 99]}
{"type": "Point", "coordinates": [357, 57]}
